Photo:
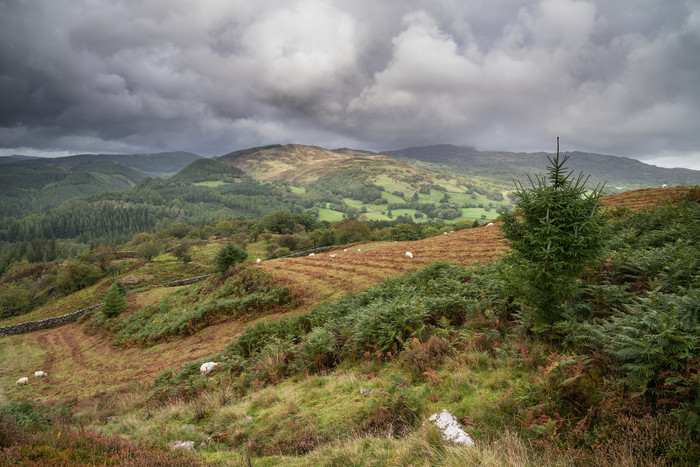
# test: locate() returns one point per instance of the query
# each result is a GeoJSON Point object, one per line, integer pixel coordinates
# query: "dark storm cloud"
{"type": "Point", "coordinates": [213, 76]}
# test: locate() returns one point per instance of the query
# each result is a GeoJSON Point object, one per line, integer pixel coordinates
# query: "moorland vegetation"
{"type": "Point", "coordinates": [603, 374]}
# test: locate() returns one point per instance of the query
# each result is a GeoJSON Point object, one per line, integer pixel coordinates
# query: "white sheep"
{"type": "Point", "coordinates": [409, 254]}
{"type": "Point", "coordinates": [22, 381]}
{"type": "Point", "coordinates": [312, 254]}
{"type": "Point", "coordinates": [207, 367]}
{"type": "Point", "coordinates": [345, 250]}
{"type": "Point", "coordinates": [258, 261]}
{"type": "Point", "coordinates": [40, 374]}
{"type": "Point", "coordinates": [444, 233]}
{"type": "Point", "coordinates": [359, 249]}
{"type": "Point", "coordinates": [490, 224]}
{"type": "Point", "coordinates": [332, 256]}
{"type": "Point", "coordinates": [664, 186]}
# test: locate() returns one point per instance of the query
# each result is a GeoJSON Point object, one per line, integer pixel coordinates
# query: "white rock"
{"type": "Point", "coordinates": [451, 428]}
{"type": "Point", "coordinates": [186, 445]}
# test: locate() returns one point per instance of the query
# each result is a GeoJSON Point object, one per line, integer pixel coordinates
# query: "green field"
{"type": "Point", "coordinates": [212, 184]}
{"type": "Point", "coordinates": [300, 190]}
{"type": "Point", "coordinates": [325, 214]}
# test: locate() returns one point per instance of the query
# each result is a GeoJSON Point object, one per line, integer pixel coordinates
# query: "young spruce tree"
{"type": "Point", "coordinates": [555, 232]}
{"type": "Point", "coordinates": [114, 302]}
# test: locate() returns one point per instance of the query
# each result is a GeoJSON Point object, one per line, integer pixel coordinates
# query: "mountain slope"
{"type": "Point", "coordinates": [156, 165]}
{"type": "Point", "coordinates": [27, 187]}
{"type": "Point", "coordinates": [620, 173]}
{"type": "Point", "coordinates": [293, 163]}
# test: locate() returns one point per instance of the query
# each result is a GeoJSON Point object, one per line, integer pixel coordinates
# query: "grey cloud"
{"type": "Point", "coordinates": [217, 75]}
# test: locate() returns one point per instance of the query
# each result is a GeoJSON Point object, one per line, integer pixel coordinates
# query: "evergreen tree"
{"type": "Point", "coordinates": [228, 256]}
{"type": "Point", "coordinates": [556, 231]}
{"type": "Point", "coordinates": [114, 302]}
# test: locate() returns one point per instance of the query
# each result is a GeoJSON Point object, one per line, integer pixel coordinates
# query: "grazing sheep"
{"type": "Point", "coordinates": [207, 367]}
{"type": "Point", "coordinates": [332, 256]}
{"type": "Point", "coordinates": [22, 381]}
{"type": "Point", "coordinates": [444, 233]}
{"type": "Point", "coordinates": [258, 261]}
{"type": "Point", "coordinates": [490, 224]}
{"type": "Point", "coordinates": [664, 186]}
{"type": "Point", "coordinates": [345, 250]}
{"type": "Point", "coordinates": [40, 374]}
{"type": "Point", "coordinates": [359, 249]}
{"type": "Point", "coordinates": [409, 254]}
{"type": "Point", "coordinates": [312, 254]}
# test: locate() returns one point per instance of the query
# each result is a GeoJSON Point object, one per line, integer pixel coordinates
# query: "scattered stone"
{"type": "Point", "coordinates": [248, 418]}
{"type": "Point", "coordinates": [218, 438]}
{"type": "Point", "coordinates": [186, 445]}
{"type": "Point", "coordinates": [366, 390]}
{"type": "Point", "coordinates": [110, 419]}
{"type": "Point", "coordinates": [187, 426]}
{"type": "Point", "coordinates": [451, 428]}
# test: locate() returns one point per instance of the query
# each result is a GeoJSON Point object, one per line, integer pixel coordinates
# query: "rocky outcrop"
{"type": "Point", "coordinates": [451, 428]}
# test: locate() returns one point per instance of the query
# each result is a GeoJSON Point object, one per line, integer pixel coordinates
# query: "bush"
{"type": "Point", "coordinates": [76, 275]}
{"type": "Point", "coordinates": [148, 250]}
{"type": "Point", "coordinates": [228, 256]}
{"type": "Point", "coordinates": [14, 300]}
{"type": "Point", "coordinates": [183, 252]}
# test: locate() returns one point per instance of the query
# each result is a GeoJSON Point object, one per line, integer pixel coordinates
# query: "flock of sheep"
{"type": "Point", "coordinates": [37, 374]}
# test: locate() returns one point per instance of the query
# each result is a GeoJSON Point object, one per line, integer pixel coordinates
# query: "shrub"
{"type": "Point", "coordinates": [14, 300]}
{"type": "Point", "coordinates": [148, 250]}
{"type": "Point", "coordinates": [183, 252]}
{"type": "Point", "coordinates": [228, 256]}
{"type": "Point", "coordinates": [76, 275]}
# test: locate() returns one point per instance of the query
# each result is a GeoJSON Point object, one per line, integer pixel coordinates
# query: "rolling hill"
{"type": "Point", "coordinates": [620, 173]}
{"type": "Point", "coordinates": [162, 164]}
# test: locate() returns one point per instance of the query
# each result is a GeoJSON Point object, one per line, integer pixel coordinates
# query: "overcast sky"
{"type": "Point", "coordinates": [212, 76]}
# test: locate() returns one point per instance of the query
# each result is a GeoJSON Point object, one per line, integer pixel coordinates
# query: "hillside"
{"type": "Point", "coordinates": [27, 187]}
{"type": "Point", "coordinates": [160, 165]}
{"type": "Point", "coordinates": [372, 186]}
{"type": "Point", "coordinates": [293, 163]}
{"type": "Point", "coordinates": [620, 173]}
{"type": "Point", "coordinates": [310, 374]}
{"type": "Point", "coordinates": [322, 276]}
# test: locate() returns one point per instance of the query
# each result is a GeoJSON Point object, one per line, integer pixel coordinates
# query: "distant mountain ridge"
{"type": "Point", "coordinates": [160, 164]}
{"type": "Point", "coordinates": [620, 173]}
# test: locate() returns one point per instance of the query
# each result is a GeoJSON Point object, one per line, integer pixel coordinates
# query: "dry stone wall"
{"type": "Point", "coordinates": [45, 323]}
